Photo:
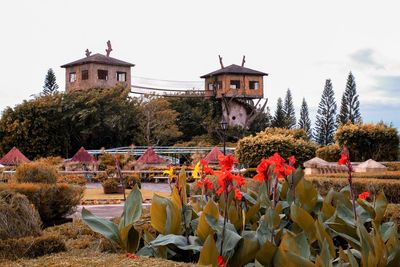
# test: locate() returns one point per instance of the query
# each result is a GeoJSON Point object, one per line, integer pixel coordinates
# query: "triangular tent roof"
{"type": "Point", "coordinates": [315, 162]}
{"type": "Point", "coordinates": [14, 157]}
{"type": "Point", "coordinates": [83, 156]}
{"type": "Point", "coordinates": [150, 157]}
{"type": "Point", "coordinates": [212, 157]}
{"type": "Point", "coordinates": [371, 164]}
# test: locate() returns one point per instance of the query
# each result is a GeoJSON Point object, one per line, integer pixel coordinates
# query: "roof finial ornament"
{"type": "Point", "coordinates": [109, 48]}
{"type": "Point", "coordinates": [87, 52]}
{"type": "Point", "coordinates": [243, 60]}
{"type": "Point", "coordinates": [220, 62]}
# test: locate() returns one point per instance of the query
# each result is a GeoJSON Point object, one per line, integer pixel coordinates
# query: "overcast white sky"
{"type": "Point", "coordinates": [299, 43]}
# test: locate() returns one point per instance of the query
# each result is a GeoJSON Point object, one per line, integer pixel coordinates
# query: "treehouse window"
{"type": "Point", "coordinates": [121, 76]}
{"type": "Point", "coordinates": [254, 85]}
{"type": "Point", "coordinates": [85, 75]}
{"type": "Point", "coordinates": [235, 84]}
{"type": "Point", "coordinates": [72, 77]}
{"type": "Point", "coordinates": [102, 74]}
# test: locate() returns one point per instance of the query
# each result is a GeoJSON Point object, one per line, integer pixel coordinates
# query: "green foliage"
{"type": "Point", "coordinates": [329, 153]}
{"type": "Point", "coordinates": [111, 186]}
{"type": "Point", "coordinates": [53, 201]}
{"type": "Point", "coordinates": [350, 106]}
{"type": "Point", "coordinates": [18, 218]}
{"type": "Point", "coordinates": [304, 121]}
{"type": "Point", "coordinates": [31, 247]}
{"type": "Point", "coordinates": [325, 124]}
{"type": "Point", "coordinates": [279, 119]}
{"type": "Point", "coordinates": [124, 234]}
{"type": "Point", "coordinates": [295, 133]}
{"type": "Point", "coordinates": [369, 141]}
{"type": "Point", "coordinates": [252, 149]}
{"type": "Point", "coordinates": [288, 109]}
{"type": "Point", "coordinates": [50, 85]}
{"type": "Point", "coordinates": [59, 124]}
{"type": "Point", "coordinates": [36, 172]}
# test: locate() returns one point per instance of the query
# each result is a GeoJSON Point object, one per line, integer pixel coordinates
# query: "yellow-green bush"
{"type": "Point", "coordinates": [72, 179]}
{"type": "Point", "coordinates": [369, 141]}
{"type": "Point", "coordinates": [18, 218]}
{"type": "Point", "coordinates": [53, 201]}
{"type": "Point", "coordinates": [329, 153]}
{"type": "Point", "coordinates": [31, 247]}
{"type": "Point", "coordinates": [36, 172]}
{"type": "Point", "coordinates": [296, 133]}
{"type": "Point", "coordinates": [252, 149]}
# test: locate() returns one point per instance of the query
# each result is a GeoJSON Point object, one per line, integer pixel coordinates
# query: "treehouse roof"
{"type": "Point", "coordinates": [235, 69]}
{"type": "Point", "coordinates": [82, 156]}
{"type": "Point", "coordinates": [13, 157]}
{"type": "Point", "coordinates": [212, 156]}
{"type": "Point", "coordinates": [99, 59]}
{"type": "Point", "coordinates": [150, 157]}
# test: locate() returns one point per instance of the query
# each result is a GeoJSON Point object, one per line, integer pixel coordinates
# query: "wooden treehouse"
{"type": "Point", "coordinates": [236, 87]}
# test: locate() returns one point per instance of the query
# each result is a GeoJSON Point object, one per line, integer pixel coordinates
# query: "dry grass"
{"type": "Point", "coordinates": [97, 193]}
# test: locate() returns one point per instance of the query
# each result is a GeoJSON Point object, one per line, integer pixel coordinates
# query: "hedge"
{"type": "Point", "coordinates": [31, 247]}
{"type": "Point", "coordinates": [252, 149]}
{"type": "Point", "coordinates": [369, 141]}
{"type": "Point", "coordinates": [356, 175]}
{"type": "Point", "coordinates": [391, 187]}
{"type": "Point", "coordinates": [54, 202]}
{"type": "Point", "coordinates": [36, 172]}
{"type": "Point", "coordinates": [329, 153]}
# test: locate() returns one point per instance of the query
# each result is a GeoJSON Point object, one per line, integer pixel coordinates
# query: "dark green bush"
{"type": "Point", "coordinates": [111, 186]}
{"type": "Point", "coordinates": [53, 202]}
{"type": "Point", "coordinates": [36, 172]}
{"type": "Point", "coordinates": [18, 218]}
{"type": "Point", "coordinates": [31, 247]}
{"type": "Point", "coordinates": [369, 141]}
{"type": "Point", "coordinates": [329, 153]}
{"type": "Point", "coordinates": [252, 149]}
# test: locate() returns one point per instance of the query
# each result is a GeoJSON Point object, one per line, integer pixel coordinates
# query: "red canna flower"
{"type": "Point", "coordinates": [364, 195]}
{"type": "Point", "coordinates": [206, 169]}
{"type": "Point", "coordinates": [226, 162]}
{"type": "Point", "coordinates": [343, 159]}
{"type": "Point", "coordinates": [221, 261]}
{"type": "Point", "coordinates": [206, 182]}
{"type": "Point", "coordinates": [238, 194]}
{"type": "Point", "coordinates": [280, 168]}
{"type": "Point", "coordinates": [131, 256]}
{"type": "Point", "coordinates": [263, 170]}
{"type": "Point", "coordinates": [292, 160]}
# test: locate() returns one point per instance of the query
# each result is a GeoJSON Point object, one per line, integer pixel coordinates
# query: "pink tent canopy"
{"type": "Point", "coordinates": [14, 157]}
{"type": "Point", "coordinates": [150, 157]}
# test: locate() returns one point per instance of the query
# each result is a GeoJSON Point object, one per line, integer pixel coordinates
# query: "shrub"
{"type": "Point", "coordinates": [53, 161]}
{"type": "Point", "coordinates": [393, 166]}
{"type": "Point", "coordinates": [72, 179]}
{"type": "Point", "coordinates": [374, 186]}
{"type": "Point", "coordinates": [36, 172]}
{"type": "Point", "coordinates": [369, 141]}
{"type": "Point", "coordinates": [99, 177]}
{"type": "Point", "coordinates": [296, 133]}
{"type": "Point", "coordinates": [111, 186]}
{"type": "Point", "coordinates": [329, 153]}
{"type": "Point", "coordinates": [53, 202]}
{"type": "Point", "coordinates": [252, 149]}
{"type": "Point", "coordinates": [31, 247]}
{"type": "Point", "coordinates": [356, 175]}
{"type": "Point", "coordinates": [18, 218]}
{"type": "Point", "coordinates": [131, 180]}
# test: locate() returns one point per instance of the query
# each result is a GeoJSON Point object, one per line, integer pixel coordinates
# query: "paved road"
{"type": "Point", "coordinates": [159, 187]}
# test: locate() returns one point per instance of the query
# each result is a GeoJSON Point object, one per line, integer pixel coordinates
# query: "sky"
{"type": "Point", "coordinates": [299, 43]}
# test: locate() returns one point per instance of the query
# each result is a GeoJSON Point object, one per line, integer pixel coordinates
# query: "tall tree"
{"type": "Point", "coordinates": [304, 121]}
{"type": "Point", "coordinates": [288, 109]}
{"type": "Point", "coordinates": [279, 119]}
{"type": "Point", "coordinates": [50, 85]}
{"type": "Point", "coordinates": [350, 106]}
{"type": "Point", "coordinates": [325, 124]}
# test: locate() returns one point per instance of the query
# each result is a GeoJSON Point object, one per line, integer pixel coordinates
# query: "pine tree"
{"type": "Point", "coordinates": [50, 85]}
{"type": "Point", "coordinates": [290, 116]}
{"type": "Point", "coordinates": [279, 119]}
{"type": "Point", "coordinates": [304, 121]}
{"type": "Point", "coordinates": [350, 106]}
{"type": "Point", "coordinates": [325, 124]}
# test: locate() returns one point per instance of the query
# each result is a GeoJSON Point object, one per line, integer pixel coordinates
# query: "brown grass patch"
{"type": "Point", "coordinates": [376, 175]}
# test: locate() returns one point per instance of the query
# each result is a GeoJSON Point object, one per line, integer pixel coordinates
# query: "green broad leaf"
{"type": "Point", "coordinates": [272, 216]}
{"type": "Point", "coordinates": [367, 207]}
{"type": "Point", "coordinates": [327, 210]}
{"type": "Point", "coordinates": [102, 226]}
{"type": "Point", "coordinates": [263, 198]}
{"type": "Point", "coordinates": [132, 207]}
{"type": "Point", "coordinates": [266, 254]}
{"type": "Point", "coordinates": [209, 253]}
{"type": "Point", "coordinates": [166, 214]}
{"type": "Point", "coordinates": [231, 239]}
{"type": "Point", "coordinates": [387, 230]}
{"type": "Point", "coordinates": [284, 190]}
{"type": "Point", "coordinates": [176, 240]}
{"type": "Point", "coordinates": [251, 213]}
{"type": "Point", "coordinates": [352, 260]}
{"type": "Point", "coordinates": [380, 207]}
{"type": "Point", "coordinates": [234, 217]}
{"type": "Point", "coordinates": [284, 258]}
{"type": "Point", "coordinates": [304, 220]}
{"type": "Point", "coordinates": [203, 229]}
{"type": "Point", "coordinates": [325, 258]}
{"type": "Point", "coordinates": [296, 244]}
{"type": "Point", "coordinates": [249, 198]}
{"type": "Point", "coordinates": [263, 232]}
{"type": "Point", "coordinates": [345, 214]}
{"type": "Point", "coordinates": [130, 238]}
{"type": "Point", "coordinates": [323, 236]}
{"type": "Point", "coordinates": [306, 195]}
{"type": "Point", "coordinates": [182, 185]}
{"type": "Point", "coordinates": [246, 250]}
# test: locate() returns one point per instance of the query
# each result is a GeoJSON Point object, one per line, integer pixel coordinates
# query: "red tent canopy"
{"type": "Point", "coordinates": [83, 156]}
{"type": "Point", "coordinates": [212, 157]}
{"type": "Point", "coordinates": [14, 157]}
{"type": "Point", "coordinates": [150, 157]}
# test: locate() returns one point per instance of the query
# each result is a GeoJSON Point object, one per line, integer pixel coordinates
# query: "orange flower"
{"type": "Point", "coordinates": [364, 195]}
{"type": "Point", "coordinates": [221, 261]}
{"type": "Point", "coordinates": [263, 170]}
{"type": "Point", "coordinates": [206, 169]}
{"type": "Point", "coordinates": [226, 162]}
{"type": "Point", "coordinates": [131, 256]}
{"type": "Point", "coordinates": [343, 159]}
{"type": "Point", "coordinates": [206, 182]}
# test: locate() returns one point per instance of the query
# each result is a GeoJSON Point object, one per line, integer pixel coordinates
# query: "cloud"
{"type": "Point", "coordinates": [365, 57]}
{"type": "Point", "coordinates": [390, 84]}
